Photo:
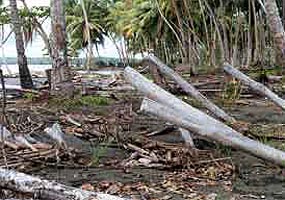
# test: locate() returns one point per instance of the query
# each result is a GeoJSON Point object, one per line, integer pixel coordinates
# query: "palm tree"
{"type": "Point", "coordinates": [61, 79]}
{"type": "Point", "coordinates": [33, 18]}
{"type": "Point", "coordinates": [25, 76]}
{"type": "Point", "coordinates": [85, 21]}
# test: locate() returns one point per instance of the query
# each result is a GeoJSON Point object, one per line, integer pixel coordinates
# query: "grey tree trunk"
{"type": "Point", "coordinates": [224, 135]}
{"type": "Point", "coordinates": [277, 29]}
{"type": "Point", "coordinates": [61, 79]}
{"type": "Point", "coordinates": [172, 109]}
{"type": "Point", "coordinates": [25, 76]}
{"type": "Point", "coordinates": [255, 86]}
{"type": "Point", "coordinates": [43, 189]}
{"type": "Point", "coordinates": [189, 89]}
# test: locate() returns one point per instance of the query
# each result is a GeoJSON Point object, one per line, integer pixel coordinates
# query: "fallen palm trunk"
{"type": "Point", "coordinates": [182, 114]}
{"type": "Point", "coordinates": [43, 189]}
{"type": "Point", "coordinates": [226, 136]}
{"type": "Point", "coordinates": [256, 86]}
{"type": "Point", "coordinates": [189, 89]}
{"type": "Point", "coordinates": [156, 93]}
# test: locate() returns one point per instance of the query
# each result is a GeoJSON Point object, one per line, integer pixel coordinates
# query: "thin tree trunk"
{"type": "Point", "coordinates": [277, 30]}
{"type": "Point", "coordinates": [90, 56]}
{"type": "Point", "coordinates": [249, 39]}
{"type": "Point", "coordinates": [61, 80]}
{"type": "Point", "coordinates": [116, 45]}
{"type": "Point", "coordinates": [236, 40]}
{"type": "Point", "coordinates": [283, 12]}
{"type": "Point", "coordinates": [221, 44]}
{"type": "Point", "coordinates": [256, 38]}
{"type": "Point", "coordinates": [25, 76]}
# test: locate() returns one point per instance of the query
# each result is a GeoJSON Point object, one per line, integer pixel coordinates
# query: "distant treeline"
{"type": "Point", "coordinates": [75, 62]}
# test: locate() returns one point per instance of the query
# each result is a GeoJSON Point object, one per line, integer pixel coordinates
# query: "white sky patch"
{"type": "Point", "coordinates": [36, 48]}
{"type": "Point", "coordinates": [32, 2]}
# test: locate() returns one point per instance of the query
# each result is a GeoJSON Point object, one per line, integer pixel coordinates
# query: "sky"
{"type": "Point", "coordinates": [35, 49]}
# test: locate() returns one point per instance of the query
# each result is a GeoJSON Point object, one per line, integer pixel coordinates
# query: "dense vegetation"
{"type": "Point", "coordinates": [185, 31]}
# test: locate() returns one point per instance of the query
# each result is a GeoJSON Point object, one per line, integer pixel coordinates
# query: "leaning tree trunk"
{"type": "Point", "coordinates": [25, 76]}
{"type": "Point", "coordinates": [61, 78]}
{"type": "Point", "coordinates": [276, 27]}
{"type": "Point", "coordinates": [255, 86]}
{"type": "Point", "coordinates": [90, 57]}
{"type": "Point", "coordinates": [189, 89]}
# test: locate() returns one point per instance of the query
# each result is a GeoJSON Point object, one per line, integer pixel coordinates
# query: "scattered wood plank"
{"type": "Point", "coordinates": [182, 114]}
{"type": "Point", "coordinates": [189, 89]}
{"type": "Point", "coordinates": [255, 86]}
{"type": "Point", "coordinates": [44, 189]}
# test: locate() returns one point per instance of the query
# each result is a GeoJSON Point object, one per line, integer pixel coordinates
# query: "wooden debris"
{"type": "Point", "coordinates": [44, 189]}
{"type": "Point", "coordinates": [162, 131]}
{"type": "Point", "coordinates": [72, 121]}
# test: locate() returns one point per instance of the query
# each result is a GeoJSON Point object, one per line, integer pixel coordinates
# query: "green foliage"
{"type": "Point", "coordinates": [232, 91]}
{"type": "Point", "coordinates": [100, 151]}
{"type": "Point", "coordinates": [187, 31]}
{"type": "Point", "coordinates": [94, 101]}
{"type": "Point", "coordinates": [30, 96]}
{"type": "Point", "coordinates": [76, 26]}
{"type": "Point", "coordinates": [79, 102]}
{"type": "Point", "coordinates": [28, 16]}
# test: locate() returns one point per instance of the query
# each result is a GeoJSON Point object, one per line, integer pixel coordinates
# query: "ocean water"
{"type": "Point", "coordinates": [34, 69]}
{"type": "Point", "coordinates": [12, 82]}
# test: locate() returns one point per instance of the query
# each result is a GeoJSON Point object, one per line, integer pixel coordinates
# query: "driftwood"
{"type": "Point", "coordinates": [189, 89]}
{"type": "Point", "coordinates": [43, 189]}
{"type": "Point", "coordinates": [182, 114]}
{"type": "Point", "coordinates": [256, 86]}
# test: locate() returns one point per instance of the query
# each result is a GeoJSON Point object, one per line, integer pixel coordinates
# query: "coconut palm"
{"type": "Point", "coordinates": [85, 26]}
{"type": "Point", "coordinates": [25, 76]}
{"type": "Point", "coordinates": [33, 18]}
